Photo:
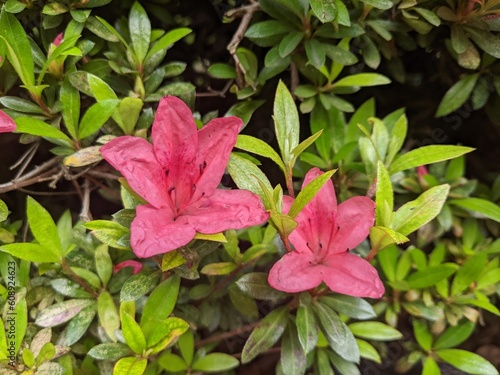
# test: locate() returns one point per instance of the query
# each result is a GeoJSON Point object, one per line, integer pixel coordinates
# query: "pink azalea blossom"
{"type": "Point", "coordinates": [178, 176]}
{"type": "Point", "coordinates": [58, 39]}
{"type": "Point", "coordinates": [6, 123]}
{"type": "Point", "coordinates": [322, 240]}
{"type": "Point", "coordinates": [422, 171]}
{"type": "Point", "coordinates": [137, 266]}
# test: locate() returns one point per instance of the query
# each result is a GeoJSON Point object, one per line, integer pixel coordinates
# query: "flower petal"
{"type": "Point", "coordinates": [154, 231]}
{"type": "Point", "coordinates": [352, 275]}
{"type": "Point", "coordinates": [225, 209]}
{"type": "Point", "coordinates": [136, 266]}
{"type": "Point", "coordinates": [175, 143]}
{"type": "Point", "coordinates": [7, 124]}
{"type": "Point", "coordinates": [133, 157]}
{"type": "Point", "coordinates": [355, 217]}
{"type": "Point", "coordinates": [215, 142]}
{"type": "Point", "coordinates": [317, 219]}
{"type": "Point", "coordinates": [299, 237]}
{"type": "Point", "coordinates": [295, 272]}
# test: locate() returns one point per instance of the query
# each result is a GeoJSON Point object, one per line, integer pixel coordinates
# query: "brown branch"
{"type": "Point", "coordinates": [25, 159]}
{"type": "Point", "coordinates": [246, 13]}
{"type": "Point", "coordinates": [13, 185]}
{"type": "Point", "coordinates": [78, 279]}
{"type": "Point", "coordinates": [85, 214]}
{"type": "Point", "coordinates": [227, 335]}
{"type": "Point", "coordinates": [211, 92]}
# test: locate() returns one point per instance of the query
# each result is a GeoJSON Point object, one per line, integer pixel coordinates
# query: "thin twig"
{"type": "Point", "coordinates": [78, 279]}
{"type": "Point", "coordinates": [85, 214]}
{"type": "Point", "coordinates": [25, 159]}
{"type": "Point", "coordinates": [13, 185]}
{"type": "Point", "coordinates": [211, 92]}
{"type": "Point", "coordinates": [294, 77]}
{"type": "Point", "coordinates": [227, 335]}
{"type": "Point", "coordinates": [47, 193]}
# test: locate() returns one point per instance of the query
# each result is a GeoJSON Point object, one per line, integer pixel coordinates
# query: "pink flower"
{"type": "Point", "coordinates": [422, 171]}
{"type": "Point", "coordinates": [6, 123]}
{"type": "Point", "coordinates": [58, 39]}
{"type": "Point", "coordinates": [137, 266]}
{"type": "Point", "coordinates": [178, 176]}
{"type": "Point", "coordinates": [322, 241]}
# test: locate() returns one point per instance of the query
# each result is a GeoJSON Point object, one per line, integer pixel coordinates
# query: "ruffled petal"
{"type": "Point", "coordinates": [225, 209]}
{"type": "Point", "coordinates": [215, 142]}
{"type": "Point", "coordinates": [7, 124]}
{"type": "Point", "coordinates": [352, 275]}
{"type": "Point", "coordinates": [175, 143]}
{"type": "Point", "coordinates": [133, 157]}
{"type": "Point", "coordinates": [317, 219]}
{"type": "Point", "coordinates": [355, 217]}
{"type": "Point", "coordinates": [299, 237]}
{"type": "Point", "coordinates": [295, 272]}
{"type": "Point", "coordinates": [154, 231]}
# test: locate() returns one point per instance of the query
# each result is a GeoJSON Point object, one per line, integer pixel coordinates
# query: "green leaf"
{"type": "Point", "coordinates": [43, 227]}
{"type": "Point", "coordinates": [363, 80]}
{"type": "Point", "coordinates": [96, 116]}
{"type": "Point", "coordinates": [137, 286]}
{"type": "Point", "coordinates": [468, 273]}
{"type": "Point", "coordinates": [381, 237]}
{"type": "Point", "coordinates": [384, 197]}
{"type": "Point", "coordinates": [110, 233]}
{"type": "Point", "coordinates": [31, 251]}
{"type": "Point", "coordinates": [172, 362]}
{"type": "Point", "coordinates": [457, 95]}
{"type": "Point", "coordinates": [454, 335]}
{"type": "Point", "coordinates": [61, 312]}
{"type": "Point", "coordinates": [398, 136]}
{"type": "Point", "coordinates": [223, 71]}
{"type": "Point", "coordinates": [167, 40]}
{"type": "Point", "coordinates": [307, 328]}
{"type": "Point", "coordinates": [293, 359]}
{"type": "Point", "coordinates": [256, 286]}
{"type": "Point", "coordinates": [289, 43]}
{"type": "Point", "coordinates": [140, 31]}
{"type": "Point", "coordinates": [315, 53]}
{"type": "Point", "coordinates": [325, 10]}
{"type": "Point", "coordinates": [308, 193]}
{"type": "Point", "coordinates": [103, 263]}
{"type": "Point", "coordinates": [375, 331]}
{"type": "Point", "coordinates": [4, 211]}
{"type": "Point", "coordinates": [259, 147]}
{"type": "Point", "coordinates": [18, 47]}
{"type": "Point", "coordinates": [100, 89]}
{"type": "Point", "coordinates": [412, 215]}
{"type": "Point", "coordinates": [244, 110]}
{"type": "Point", "coordinates": [430, 367]}
{"type": "Point", "coordinates": [132, 333]}
{"type": "Point", "coordinates": [245, 304]}
{"type": "Point", "coordinates": [165, 333]}
{"type": "Point", "coordinates": [467, 361]}
{"type": "Point", "coordinates": [286, 121]}
{"type": "Point", "coordinates": [214, 269]}
{"type": "Point", "coordinates": [339, 337]}
{"type": "Point", "coordinates": [429, 276]}
{"type": "Point", "coordinates": [130, 366]}
{"type": "Point", "coordinates": [77, 327]}
{"type": "Point", "coordinates": [30, 125]}
{"type": "Point", "coordinates": [130, 109]}
{"type": "Point", "coordinates": [422, 334]}
{"type": "Point", "coordinates": [161, 302]}
{"type": "Point", "coordinates": [367, 351]}
{"type": "Point", "coordinates": [186, 345]}
{"type": "Point", "coordinates": [247, 175]}
{"type": "Point", "coordinates": [266, 334]}
{"type": "Point", "coordinates": [353, 307]}
{"type": "Point", "coordinates": [109, 351]}
{"type": "Point", "coordinates": [427, 155]}
{"type": "Point", "coordinates": [14, 6]}
{"type": "Point", "coordinates": [304, 145]}
{"type": "Point", "coordinates": [70, 100]}
{"type": "Point", "coordinates": [215, 362]}
{"type": "Point", "coordinates": [483, 206]}
{"type": "Point", "coordinates": [485, 40]}
{"type": "Point", "coordinates": [108, 314]}
{"type": "Point", "coordinates": [20, 105]}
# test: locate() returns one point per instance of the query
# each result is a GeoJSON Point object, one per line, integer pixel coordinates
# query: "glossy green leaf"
{"type": "Point", "coordinates": [30, 125]}
{"type": "Point", "coordinates": [167, 40]}
{"type": "Point", "coordinates": [286, 121]}
{"type": "Point", "coordinates": [363, 80]}
{"type": "Point", "coordinates": [308, 193]}
{"type": "Point", "coordinates": [43, 227]}
{"type": "Point", "coordinates": [430, 367]}
{"type": "Point", "coordinates": [429, 276]}
{"type": "Point", "coordinates": [384, 197]}
{"type": "Point", "coordinates": [457, 95]}
{"type": "Point", "coordinates": [256, 286]}
{"type": "Point", "coordinates": [325, 10]}
{"type": "Point", "coordinates": [307, 328]}
{"type": "Point", "coordinates": [70, 100]}
{"type": "Point", "coordinates": [130, 109]}
{"type": "Point", "coordinates": [223, 71]}
{"type": "Point", "coordinates": [215, 362]}
{"type": "Point", "coordinates": [422, 334]}
{"type": "Point", "coordinates": [353, 307]}
{"type": "Point", "coordinates": [454, 335]}
{"type": "Point", "coordinates": [140, 31]}
{"type": "Point", "coordinates": [186, 345]}
{"type": "Point", "coordinates": [375, 331]}
{"type": "Point", "coordinates": [161, 302]}
{"type": "Point", "coordinates": [468, 273]}
{"type": "Point", "coordinates": [108, 314]}
{"type": "Point", "coordinates": [412, 215]}
{"type": "Point", "coordinates": [172, 362]}
{"type": "Point", "coordinates": [339, 336]}
{"type": "Point", "coordinates": [244, 110]}
{"type": "Point", "coordinates": [266, 334]}
{"type": "Point", "coordinates": [20, 105]}
{"type": "Point", "coordinates": [77, 326]}
{"type": "Point", "coordinates": [367, 351]}
{"type": "Point", "coordinates": [137, 286]}
{"type": "Point", "coordinates": [293, 359]}
{"type": "Point", "coordinates": [315, 53]}
{"type": "Point", "coordinates": [381, 237]}
{"type": "Point", "coordinates": [482, 206]}
{"type": "Point", "coordinates": [31, 251]}
{"type": "Point", "coordinates": [485, 40]}
{"type": "Point", "coordinates": [132, 333]}
{"type": "Point", "coordinates": [259, 147]}
{"type": "Point", "coordinates": [467, 361]}
{"type": "Point", "coordinates": [166, 332]}
{"type": "Point", "coordinates": [130, 366]}
{"type": "Point", "coordinates": [61, 312]}
{"type": "Point", "coordinates": [18, 47]}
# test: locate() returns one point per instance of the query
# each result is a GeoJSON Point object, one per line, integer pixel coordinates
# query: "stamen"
{"type": "Point", "coordinates": [171, 190]}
